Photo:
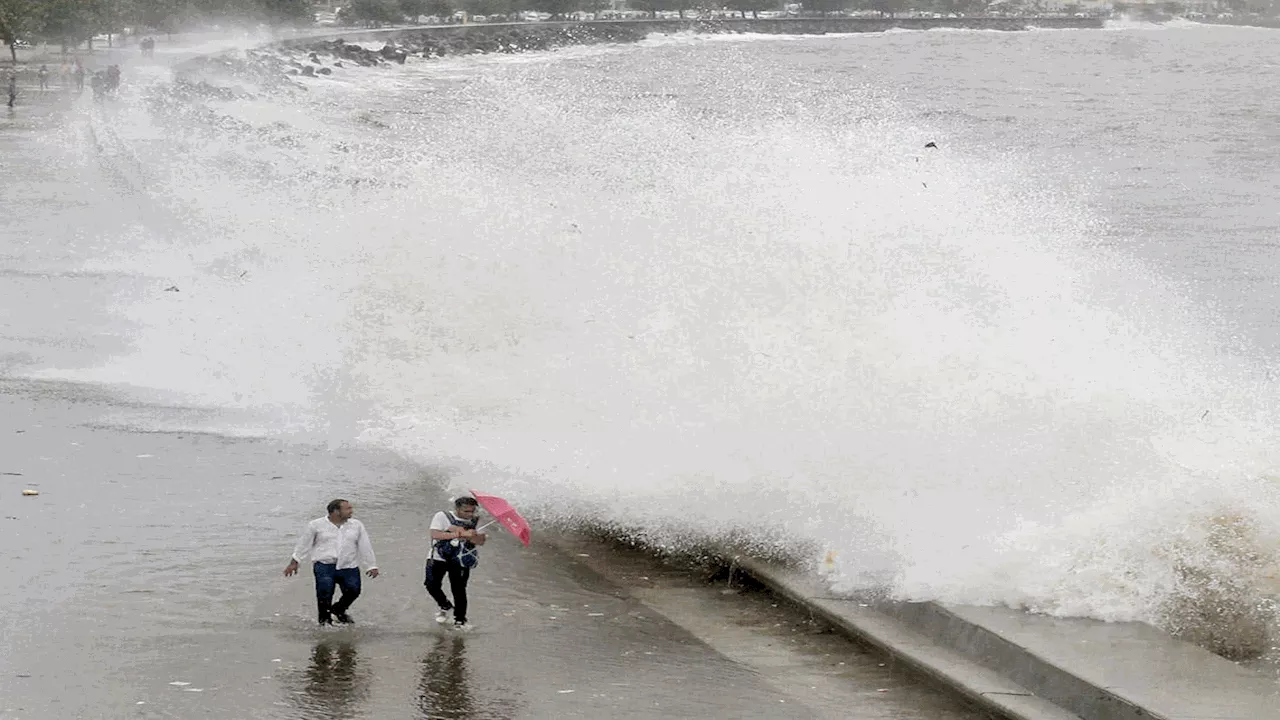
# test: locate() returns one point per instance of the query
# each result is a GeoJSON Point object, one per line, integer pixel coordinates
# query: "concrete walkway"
{"type": "Point", "coordinates": [1020, 666]}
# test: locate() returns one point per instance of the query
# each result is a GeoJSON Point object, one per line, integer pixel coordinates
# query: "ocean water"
{"type": "Point", "coordinates": [706, 288]}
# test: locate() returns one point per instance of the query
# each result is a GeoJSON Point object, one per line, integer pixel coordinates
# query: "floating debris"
{"type": "Point", "coordinates": [179, 683]}
{"type": "Point", "coordinates": [29, 492]}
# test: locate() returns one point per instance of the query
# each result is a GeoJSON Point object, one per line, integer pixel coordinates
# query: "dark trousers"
{"type": "Point", "coordinates": [327, 577]}
{"type": "Point", "coordinates": [458, 576]}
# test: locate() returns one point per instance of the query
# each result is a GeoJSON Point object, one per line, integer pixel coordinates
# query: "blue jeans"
{"type": "Point", "coordinates": [328, 576]}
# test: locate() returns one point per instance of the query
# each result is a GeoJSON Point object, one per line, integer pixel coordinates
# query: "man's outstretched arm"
{"type": "Point", "coordinates": [364, 550]}
{"type": "Point", "coordinates": [306, 541]}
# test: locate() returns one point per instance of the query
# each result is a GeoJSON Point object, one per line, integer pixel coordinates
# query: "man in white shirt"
{"type": "Point", "coordinates": [336, 544]}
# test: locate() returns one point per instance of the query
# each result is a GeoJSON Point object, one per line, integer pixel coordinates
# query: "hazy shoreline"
{"type": "Point", "coordinates": [443, 40]}
{"type": "Point", "coordinates": [319, 54]}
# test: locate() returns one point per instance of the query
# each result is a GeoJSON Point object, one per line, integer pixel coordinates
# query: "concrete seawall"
{"type": "Point", "coordinates": [1019, 666]}
{"type": "Point", "coordinates": [1253, 22]}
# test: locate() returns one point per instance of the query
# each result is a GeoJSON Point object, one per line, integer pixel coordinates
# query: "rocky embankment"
{"type": "Point", "coordinates": [320, 57]}
{"type": "Point", "coordinates": [308, 57]}
{"type": "Point", "coordinates": [317, 57]}
{"type": "Point", "coordinates": [471, 40]}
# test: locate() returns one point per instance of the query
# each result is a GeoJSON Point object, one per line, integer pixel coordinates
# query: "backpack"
{"type": "Point", "coordinates": [459, 551]}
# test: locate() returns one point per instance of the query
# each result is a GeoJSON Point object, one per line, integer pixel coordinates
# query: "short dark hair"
{"type": "Point", "coordinates": [464, 500]}
{"type": "Point", "coordinates": [335, 505]}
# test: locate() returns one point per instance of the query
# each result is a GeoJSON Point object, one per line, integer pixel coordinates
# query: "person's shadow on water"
{"type": "Point", "coordinates": [333, 683]}
{"type": "Point", "coordinates": [444, 692]}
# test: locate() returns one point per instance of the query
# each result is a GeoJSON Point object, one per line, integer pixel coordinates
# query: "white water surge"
{"type": "Point", "coordinates": [713, 289]}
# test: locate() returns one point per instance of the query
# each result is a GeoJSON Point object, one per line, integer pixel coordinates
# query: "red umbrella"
{"type": "Point", "coordinates": [502, 512]}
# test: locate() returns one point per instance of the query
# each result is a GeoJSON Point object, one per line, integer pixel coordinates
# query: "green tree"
{"type": "Point", "coordinates": [888, 8]}
{"type": "Point", "coordinates": [109, 16]}
{"type": "Point", "coordinates": [653, 7]}
{"type": "Point", "coordinates": [827, 6]}
{"type": "Point", "coordinates": [440, 8]}
{"type": "Point", "coordinates": [557, 8]}
{"type": "Point", "coordinates": [288, 12]}
{"type": "Point", "coordinates": [165, 15]}
{"type": "Point", "coordinates": [486, 7]}
{"type": "Point", "coordinates": [17, 18]}
{"type": "Point", "coordinates": [595, 7]}
{"type": "Point", "coordinates": [650, 6]}
{"type": "Point", "coordinates": [372, 12]}
{"type": "Point", "coordinates": [412, 9]}
{"type": "Point", "coordinates": [961, 7]}
{"type": "Point", "coordinates": [751, 6]}
{"type": "Point", "coordinates": [67, 22]}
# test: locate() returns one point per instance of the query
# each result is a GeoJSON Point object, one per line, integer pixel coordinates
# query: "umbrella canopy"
{"type": "Point", "coordinates": [504, 514]}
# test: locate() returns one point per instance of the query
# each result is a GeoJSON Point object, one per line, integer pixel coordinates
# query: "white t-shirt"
{"type": "Point", "coordinates": [439, 522]}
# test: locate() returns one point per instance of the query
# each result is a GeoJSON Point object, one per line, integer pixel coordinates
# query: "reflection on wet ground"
{"type": "Point", "coordinates": [333, 684]}
{"type": "Point", "coordinates": [150, 587]}
{"type": "Point", "coordinates": [444, 691]}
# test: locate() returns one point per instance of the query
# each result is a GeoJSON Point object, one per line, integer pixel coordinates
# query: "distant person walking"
{"type": "Point", "coordinates": [454, 539]}
{"type": "Point", "coordinates": [336, 544]}
{"type": "Point", "coordinates": [98, 83]}
{"type": "Point", "coordinates": [13, 90]}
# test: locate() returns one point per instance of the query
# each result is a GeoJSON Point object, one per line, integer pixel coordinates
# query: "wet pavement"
{"type": "Point", "coordinates": [149, 586]}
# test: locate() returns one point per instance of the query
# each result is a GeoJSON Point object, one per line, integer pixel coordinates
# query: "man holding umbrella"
{"type": "Point", "coordinates": [454, 548]}
{"type": "Point", "coordinates": [454, 539]}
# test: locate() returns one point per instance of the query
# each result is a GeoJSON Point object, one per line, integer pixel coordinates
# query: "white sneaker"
{"type": "Point", "coordinates": [442, 616]}
{"type": "Point", "coordinates": [462, 626]}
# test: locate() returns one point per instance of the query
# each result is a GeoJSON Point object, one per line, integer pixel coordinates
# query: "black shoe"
{"type": "Point", "coordinates": [325, 620]}
{"type": "Point", "coordinates": [343, 618]}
